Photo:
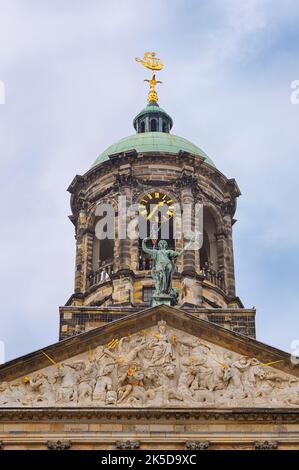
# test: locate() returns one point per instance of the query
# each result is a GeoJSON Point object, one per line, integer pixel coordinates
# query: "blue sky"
{"type": "Point", "coordinates": [73, 88]}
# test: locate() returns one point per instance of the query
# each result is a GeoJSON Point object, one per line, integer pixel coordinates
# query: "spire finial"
{"type": "Point", "coordinates": [151, 62]}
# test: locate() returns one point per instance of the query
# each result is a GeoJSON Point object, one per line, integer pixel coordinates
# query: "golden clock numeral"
{"type": "Point", "coordinates": [143, 201]}
{"type": "Point", "coordinates": [150, 196]}
{"type": "Point", "coordinates": [164, 197]}
{"type": "Point", "coordinates": [157, 195]}
{"type": "Point", "coordinates": [168, 202]}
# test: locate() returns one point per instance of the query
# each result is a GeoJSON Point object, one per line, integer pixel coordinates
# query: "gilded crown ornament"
{"type": "Point", "coordinates": [150, 61]}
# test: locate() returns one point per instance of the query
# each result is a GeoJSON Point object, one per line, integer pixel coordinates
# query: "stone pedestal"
{"type": "Point", "coordinates": [161, 299]}
{"type": "Point", "coordinates": [191, 292]}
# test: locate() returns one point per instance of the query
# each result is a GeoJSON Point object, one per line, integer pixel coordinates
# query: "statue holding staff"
{"type": "Point", "coordinates": [164, 267]}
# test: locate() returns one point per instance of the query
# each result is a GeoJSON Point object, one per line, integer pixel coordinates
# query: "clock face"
{"type": "Point", "coordinates": [156, 206]}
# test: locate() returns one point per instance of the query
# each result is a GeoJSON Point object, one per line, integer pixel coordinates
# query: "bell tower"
{"type": "Point", "coordinates": [113, 276]}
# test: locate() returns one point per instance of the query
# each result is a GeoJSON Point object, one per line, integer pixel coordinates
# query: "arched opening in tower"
{"type": "Point", "coordinates": [153, 125]}
{"type": "Point", "coordinates": [204, 252]}
{"type": "Point", "coordinates": [102, 256]}
{"type": "Point", "coordinates": [208, 253]}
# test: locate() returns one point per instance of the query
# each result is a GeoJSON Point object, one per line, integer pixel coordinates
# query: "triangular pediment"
{"type": "Point", "coordinates": [160, 357]}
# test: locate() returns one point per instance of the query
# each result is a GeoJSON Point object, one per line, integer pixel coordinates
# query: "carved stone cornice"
{"type": "Point", "coordinates": [102, 194]}
{"type": "Point", "coordinates": [127, 445]}
{"type": "Point", "coordinates": [214, 175]}
{"type": "Point", "coordinates": [266, 445]}
{"type": "Point", "coordinates": [126, 180]}
{"type": "Point", "coordinates": [191, 157]}
{"type": "Point", "coordinates": [233, 187]}
{"type": "Point", "coordinates": [153, 182]}
{"type": "Point", "coordinates": [187, 181]}
{"type": "Point", "coordinates": [76, 184]}
{"type": "Point", "coordinates": [120, 157]}
{"type": "Point", "coordinates": [256, 415]}
{"type": "Point", "coordinates": [123, 273]}
{"type": "Point", "coordinates": [228, 208]}
{"type": "Point", "coordinates": [197, 445]}
{"type": "Point", "coordinates": [79, 202]}
{"type": "Point", "coordinates": [59, 445]}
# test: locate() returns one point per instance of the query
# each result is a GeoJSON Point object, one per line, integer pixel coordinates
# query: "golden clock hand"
{"type": "Point", "coordinates": [155, 210]}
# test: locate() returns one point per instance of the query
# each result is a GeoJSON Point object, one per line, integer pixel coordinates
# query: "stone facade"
{"type": "Point", "coordinates": [152, 430]}
{"type": "Point", "coordinates": [78, 319]}
{"type": "Point", "coordinates": [127, 376]}
{"type": "Point", "coordinates": [235, 400]}
{"type": "Point", "coordinates": [156, 367]}
{"type": "Point", "coordinates": [202, 286]}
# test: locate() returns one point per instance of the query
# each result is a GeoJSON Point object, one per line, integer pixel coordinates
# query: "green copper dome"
{"type": "Point", "coordinates": [152, 126]}
{"type": "Point", "coordinates": [152, 142]}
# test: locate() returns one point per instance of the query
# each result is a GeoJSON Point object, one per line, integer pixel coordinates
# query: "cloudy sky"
{"type": "Point", "coordinates": [73, 88]}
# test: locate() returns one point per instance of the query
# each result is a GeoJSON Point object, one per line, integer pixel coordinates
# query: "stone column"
{"type": "Point", "coordinates": [191, 285]}
{"type": "Point", "coordinates": [124, 244]}
{"type": "Point", "coordinates": [221, 248]}
{"type": "Point", "coordinates": [123, 275]}
{"type": "Point", "coordinates": [226, 258]}
{"type": "Point", "coordinates": [229, 261]}
{"type": "Point", "coordinates": [189, 255]}
{"type": "Point", "coordinates": [81, 253]}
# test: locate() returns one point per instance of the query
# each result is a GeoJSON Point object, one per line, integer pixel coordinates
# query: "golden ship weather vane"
{"type": "Point", "coordinates": [150, 61]}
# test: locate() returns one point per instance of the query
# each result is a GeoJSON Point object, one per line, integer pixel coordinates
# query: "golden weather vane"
{"type": "Point", "coordinates": [150, 61]}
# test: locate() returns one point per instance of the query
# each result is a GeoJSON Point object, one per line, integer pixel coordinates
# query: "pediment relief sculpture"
{"type": "Point", "coordinates": [157, 367]}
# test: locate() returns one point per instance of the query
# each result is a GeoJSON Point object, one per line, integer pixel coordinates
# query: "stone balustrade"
{"type": "Point", "coordinates": [102, 274]}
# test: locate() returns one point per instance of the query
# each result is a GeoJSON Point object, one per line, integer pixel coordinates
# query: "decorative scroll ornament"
{"type": "Point", "coordinates": [197, 445]}
{"type": "Point", "coordinates": [59, 445]}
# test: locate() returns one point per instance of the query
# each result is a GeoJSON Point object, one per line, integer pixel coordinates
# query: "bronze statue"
{"type": "Point", "coordinates": [163, 268]}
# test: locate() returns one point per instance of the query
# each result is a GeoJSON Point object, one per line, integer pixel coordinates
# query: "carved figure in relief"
{"type": "Point", "coordinates": [131, 384]}
{"type": "Point", "coordinates": [19, 394]}
{"type": "Point", "coordinates": [161, 345]}
{"type": "Point", "coordinates": [5, 393]}
{"type": "Point", "coordinates": [291, 396]}
{"type": "Point", "coordinates": [185, 391]}
{"type": "Point", "coordinates": [103, 384]}
{"type": "Point", "coordinates": [43, 387]}
{"type": "Point", "coordinates": [168, 388]}
{"type": "Point", "coordinates": [86, 383]}
{"type": "Point", "coordinates": [251, 369]}
{"type": "Point", "coordinates": [111, 397]}
{"type": "Point", "coordinates": [232, 376]}
{"type": "Point", "coordinates": [68, 375]}
{"type": "Point", "coordinates": [152, 379]}
{"type": "Point", "coordinates": [127, 353]}
{"type": "Point", "coordinates": [159, 367]}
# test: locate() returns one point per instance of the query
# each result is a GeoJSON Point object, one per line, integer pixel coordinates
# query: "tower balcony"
{"type": "Point", "coordinates": [208, 273]}
{"type": "Point", "coordinates": [213, 276]}
{"type": "Point", "coordinates": [102, 274]}
{"type": "Point", "coordinates": [145, 263]}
